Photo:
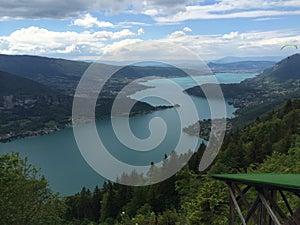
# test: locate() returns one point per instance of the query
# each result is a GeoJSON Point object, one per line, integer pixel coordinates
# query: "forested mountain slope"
{"type": "Point", "coordinates": [271, 144]}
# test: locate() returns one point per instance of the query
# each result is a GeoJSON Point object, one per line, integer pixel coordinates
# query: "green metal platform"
{"type": "Point", "coordinates": [268, 187]}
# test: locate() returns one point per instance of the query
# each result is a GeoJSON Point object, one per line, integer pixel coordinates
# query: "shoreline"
{"type": "Point", "coordinates": [49, 130]}
{"type": "Point", "coordinates": [202, 128]}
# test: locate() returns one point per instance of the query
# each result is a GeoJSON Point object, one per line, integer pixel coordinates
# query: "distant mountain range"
{"type": "Point", "coordinates": [232, 59]}
{"type": "Point", "coordinates": [283, 75]}
{"type": "Point", "coordinates": [36, 92]}
{"type": "Point", "coordinates": [64, 75]}
{"type": "Point", "coordinates": [256, 96]}
{"type": "Point", "coordinates": [244, 66]}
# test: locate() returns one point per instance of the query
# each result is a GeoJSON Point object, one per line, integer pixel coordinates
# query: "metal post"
{"type": "Point", "coordinates": [286, 202]}
{"type": "Point", "coordinates": [236, 205]}
{"type": "Point", "coordinates": [231, 208]}
{"type": "Point", "coordinates": [241, 195]}
{"type": "Point", "coordinates": [260, 214]}
{"type": "Point", "coordinates": [268, 208]}
{"type": "Point", "coordinates": [252, 209]}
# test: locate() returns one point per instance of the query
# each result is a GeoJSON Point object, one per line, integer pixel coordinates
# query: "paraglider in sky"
{"type": "Point", "coordinates": [289, 45]}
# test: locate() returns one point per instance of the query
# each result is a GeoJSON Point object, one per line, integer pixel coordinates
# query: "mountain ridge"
{"type": "Point", "coordinates": [243, 66]}
{"type": "Point", "coordinates": [280, 70]}
{"type": "Point", "coordinates": [11, 84]}
{"type": "Point", "coordinates": [63, 75]}
{"type": "Point", "coordinates": [231, 59]}
{"type": "Point", "coordinates": [59, 74]}
{"type": "Point", "coordinates": [256, 96]}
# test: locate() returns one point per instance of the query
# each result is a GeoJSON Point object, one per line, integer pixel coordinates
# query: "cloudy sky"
{"type": "Point", "coordinates": [85, 30]}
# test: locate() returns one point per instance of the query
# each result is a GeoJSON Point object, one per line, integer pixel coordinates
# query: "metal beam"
{"type": "Point", "coordinates": [231, 208]}
{"type": "Point", "coordinates": [236, 205]}
{"type": "Point", "coordinates": [268, 208]}
{"type": "Point", "coordinates": [274, 205]}
{"type": "Point", "coordinates": [245, 190]}
{"type": "Point", "coordinates": [286, 202]}
{"type": "Point", "coordinates": [260, 213]}
{"type": "Point", "coordinates": [241, 195]}
{"type": "Point", "coordinates": [252, 209]}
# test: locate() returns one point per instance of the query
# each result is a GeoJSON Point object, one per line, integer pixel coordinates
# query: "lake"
{"type": "Point", "coordinates": [63, 165]}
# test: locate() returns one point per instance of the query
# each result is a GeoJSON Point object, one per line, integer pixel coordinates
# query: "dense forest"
{"type": "Point", "coordinates": [270, 144]}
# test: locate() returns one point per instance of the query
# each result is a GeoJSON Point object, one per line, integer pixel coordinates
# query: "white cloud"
{"type": "Point", "coordinates": [140, 31]}
{"type": "Point", "coordinates": [187, 29]}
{"type": "Point", "coordinates": [68, 49]}
{"type": "Point", "coordinates": [231, 35]}
{"type": "Point", "coordinates": [107, 35]}
{"type": "Point", "coordinates": [151, 12]}
{"type": "Point", "coordinates": [177, 34]}
{"type": "Point", "coordinates": [88, 45]}
{"type": "Point", "coordinates": [255, 43]}
{"type": "Point", "coordinates": [72, 8]}
{"type": "Point", "coordinates": [117, 48]}
{"type": "Point", "coordinates": [180, 33]}
{"type": "Point", "coordinates": [35, 40]}
{"type": "Point", "coordinates": [136, 50]}
{"type": "Point", "coordinates": [88, 21]}
{"type": "Point", "coordinates": [224, 9]}
{"type": "Point", "coordinates": [34, 9]}
{"type": "Point", "coordinates": [127, 24]}
{"type": "Point", "coordinates": [262, 4]}
{"type": "Point", "coordinates": [163, 11]}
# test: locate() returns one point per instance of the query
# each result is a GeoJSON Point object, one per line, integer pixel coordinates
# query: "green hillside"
{"type": "Point", "coordinates": [245, 66]}
{"type": "Point", "coordinates": [256, 96]}
{"type": "Point", "coordinates": [29, 108]}
{"type": "Point", "coordinates": [270, 145]}
{"type": "Point", "coordinates": [58, 74]}
{"type": "Point", "coordinates": [287, 69]}
{"type": "Point", "coordinates": [32, 65]}
{"type": "Point", "coordinates": [64, 75]}
{"type": "Point", "coordinates": [15, 85]}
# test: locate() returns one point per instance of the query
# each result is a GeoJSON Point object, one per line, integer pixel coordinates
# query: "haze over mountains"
{"type": "Point", "coordinates": [233, 59]}
{"type": "Point", "coordinates": [256, 96]}
{"type": "Point", "coordinates": [243, 66]}
{"type": "Point", "coordinates": [35, 91]}
{"type": "Point", "coordinates": [63, 75]}
{"type": "Point", "coordinates": [281, 79]}
{"type": "Point", "coordinates": [284, 74]}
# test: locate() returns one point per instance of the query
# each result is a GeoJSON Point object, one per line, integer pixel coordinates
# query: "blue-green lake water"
{"type": "Point", "coordinates": [61, 162]}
